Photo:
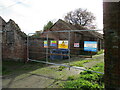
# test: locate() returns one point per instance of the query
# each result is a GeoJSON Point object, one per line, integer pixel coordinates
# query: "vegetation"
{"type": "Point", "coordinates": [71, 78]}
{"type": "Point", "coordinates": [80, 63]}
{"type": "Point", "coordinates": [100, 52]}
{"type": "Point", "coordinates": [0, 69]}
{"type": "Point", "coordinates": [37, 34]}
{"type": "Point", "coordinates": [61, 68]}
{"type": "Point", "coordinates": [12, 67]}
{"type": "Point", "coordinates": [80, 17]}
{"type": "Point", "coordinates": [48, 25]}
{"type": "Point", "coordinates": [87, 79]}
{"type": "Point", "coordinates": [83, 80]}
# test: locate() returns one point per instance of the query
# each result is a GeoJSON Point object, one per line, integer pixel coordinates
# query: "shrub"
{"type": "Point", "coordinates": [87, 79]}
{"type": "Point", "coordinates": [81, 83]}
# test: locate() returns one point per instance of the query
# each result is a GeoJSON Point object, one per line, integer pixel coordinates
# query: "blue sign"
{"type": "Point", "coordinates": [90, 46]}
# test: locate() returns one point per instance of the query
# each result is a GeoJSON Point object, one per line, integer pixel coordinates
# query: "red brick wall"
{"type": "Point", "coordinates": [111, 11]}
{"type": "Point", "coordinates": [36, 48]}
{"type": "Point", "coordinates": [14, 51]}
{"type": "Point", "coordinates": [13, 43]}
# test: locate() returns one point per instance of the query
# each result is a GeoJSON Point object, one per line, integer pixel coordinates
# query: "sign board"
{"type": "Point", "coordinates": [63, 44]}
{"type": "Point", "coordinates": [53, 43]}
{"type": "Point", "coordinates": [76, 44]}
{"type": "Point", "coordinates": [90, 46]}
{"type": "Point", "coordinates": [45, 44]}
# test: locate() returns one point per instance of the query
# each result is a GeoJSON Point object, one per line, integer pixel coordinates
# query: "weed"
{"type": "Point", "coordinates": [87, 79]}
{"type": "Point", "coordinates": [71, 78]}
{"type": "Point", "coordinates": [79, 63]}
{"type": "Point", "coordinates": [100, 52]}
{"type": "Point", "coordinates": [61, 68]}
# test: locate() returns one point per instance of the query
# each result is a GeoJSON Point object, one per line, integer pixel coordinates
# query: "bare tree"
{"type": "Point", "coordinates": [81, 17]}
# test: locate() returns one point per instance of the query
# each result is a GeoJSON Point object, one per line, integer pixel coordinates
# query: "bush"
{"type": "Point", "coordinates": [87, 79]}
{"type": "Point", "coordinates": [81, 83]}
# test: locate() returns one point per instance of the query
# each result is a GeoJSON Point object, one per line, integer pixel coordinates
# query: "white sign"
{"type": "Point", "coordinates": [76, 44]}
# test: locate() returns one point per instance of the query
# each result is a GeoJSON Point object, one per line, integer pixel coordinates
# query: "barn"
{"type": "Point", "coordinates": [75, 37]}
{"type": "Point", "coordinates": [13, 41]}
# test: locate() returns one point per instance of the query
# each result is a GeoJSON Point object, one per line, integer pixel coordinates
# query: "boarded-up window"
{"type": "Point", "coordinates": [10, 37]}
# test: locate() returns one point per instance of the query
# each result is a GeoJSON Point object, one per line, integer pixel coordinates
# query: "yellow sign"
{"type": "Point", "coordinates": [63, 44]}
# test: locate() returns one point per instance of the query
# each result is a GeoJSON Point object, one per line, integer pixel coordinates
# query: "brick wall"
{"type": "Point", "coordinates": [79, 37]}
{"type": "Point", "coordinates": [13, 43]}
{"type": "Point", "coordinates": [36, 48]}
{"type": "Point", "coordinates": [111, 11]}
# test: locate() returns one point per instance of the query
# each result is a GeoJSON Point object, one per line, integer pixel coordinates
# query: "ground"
{"type": "Point", "coordinates": [36, 75]}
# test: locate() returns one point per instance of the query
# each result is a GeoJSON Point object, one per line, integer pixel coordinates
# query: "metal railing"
{"type": "Point", "coordinates": [47, 49]}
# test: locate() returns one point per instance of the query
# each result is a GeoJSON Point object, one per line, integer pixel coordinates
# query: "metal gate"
{"type": "Point", "coordinates": [58, 47]}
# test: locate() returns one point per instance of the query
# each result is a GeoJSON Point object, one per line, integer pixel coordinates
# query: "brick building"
{"type": "Point", "coordinates": [36, 48]}
{"type": "Point", "coordinates": [13, 41]}
{"type": "Point", "coordinates": [79, 37]}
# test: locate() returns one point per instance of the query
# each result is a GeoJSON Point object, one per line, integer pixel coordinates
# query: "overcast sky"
{"type": "Point", "coordinates": [32, 15]}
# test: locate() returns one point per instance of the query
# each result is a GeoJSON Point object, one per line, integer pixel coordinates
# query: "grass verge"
{"type": "Point", "coordinates": [100, 52]}
{"type": "Point", "coordinates": [12, 67]}
{"type": "Point", "coordinates": [87, 79]}
{"type": "Point", "coordinates": [80, 63]}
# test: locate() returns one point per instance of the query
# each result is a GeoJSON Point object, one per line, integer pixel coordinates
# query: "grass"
{"type": "Point", "coordinates": [84, 80]}
{"type": "Point", "coordinates": [0, 68]}
{"type": "Point", "coordinates": [71, 78]}
{"type": "Point", "coordinates": [87, 79]}
{"type": "Point", "coordinates": [100, 52]}
{"type": "Point", "coordinates": [12, 67]}
{"type": "Point", "coordinates": [61, 68]}
{"type": "Point", "coordinates": [80, 63]}
{"type": "Point", "coordinates": [99, 67]}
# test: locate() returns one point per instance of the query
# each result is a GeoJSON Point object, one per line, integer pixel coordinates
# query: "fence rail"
{"type": "Point", "coordinates": [69, 52]}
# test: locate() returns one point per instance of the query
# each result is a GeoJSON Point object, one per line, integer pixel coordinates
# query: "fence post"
{"type": "Point", "coordinates": [47, 50]}
{"type": "Point", "coordinates": [27, 48]}
{"type": "Point", "coordinates": [69, 47]}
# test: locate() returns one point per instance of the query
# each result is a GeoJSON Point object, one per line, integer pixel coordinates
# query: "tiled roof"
{"type": "Point", "coordinates": [62, 25]}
